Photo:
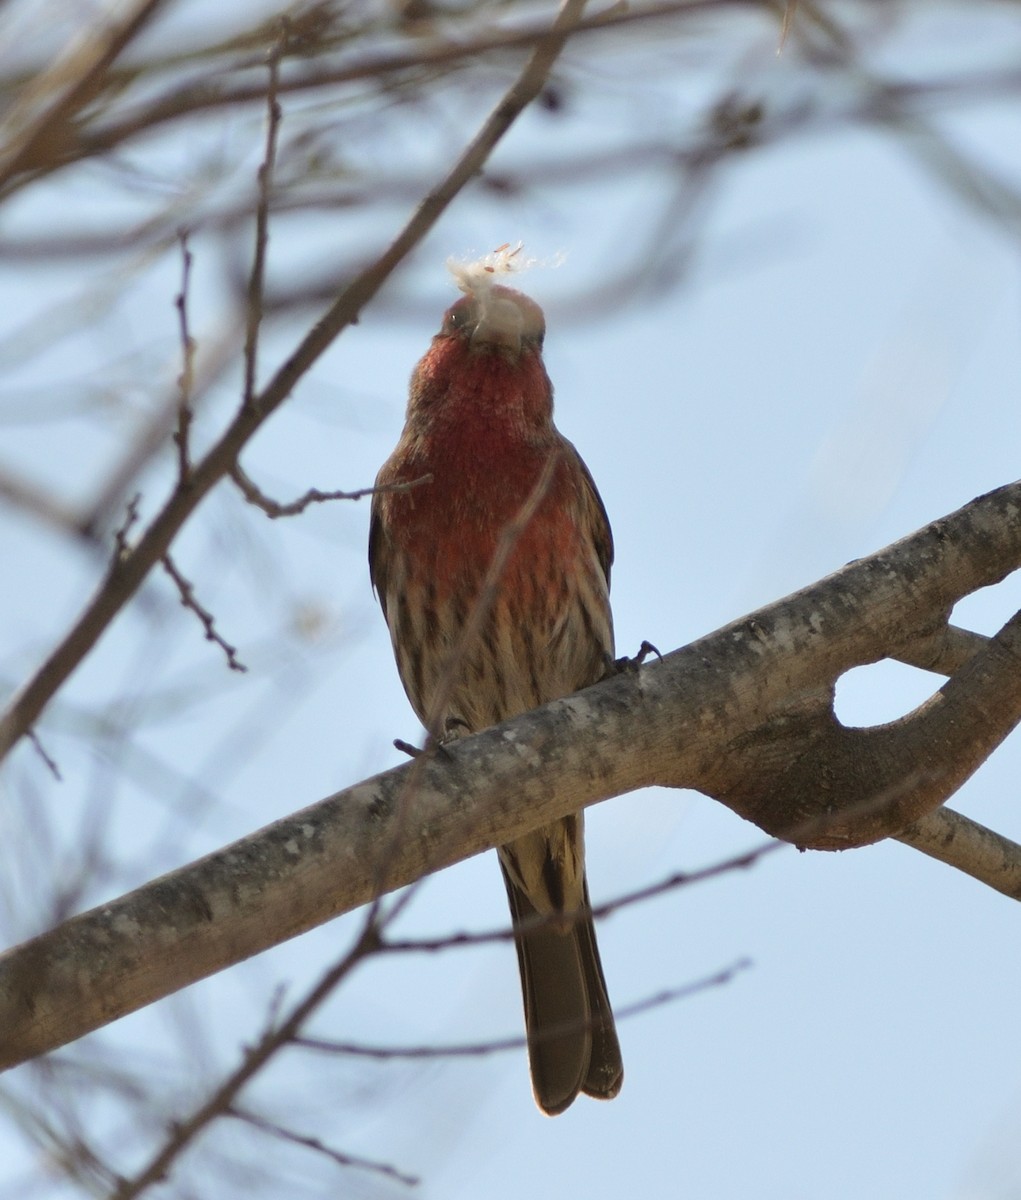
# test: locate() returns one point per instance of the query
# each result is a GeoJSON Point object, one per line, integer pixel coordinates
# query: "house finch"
{"type": "Point", "coordinates": [480, 423]}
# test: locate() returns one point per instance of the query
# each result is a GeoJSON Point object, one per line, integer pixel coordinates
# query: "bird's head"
{"type": "Point", "coordinates": [497, 318]}
{"type": "Point", "coordinates": [486, 361]}
{"type": "Point", "coordinates": [490, 316]}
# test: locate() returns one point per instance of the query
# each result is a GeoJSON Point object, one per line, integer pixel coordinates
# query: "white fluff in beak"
{"type": "Point", "coordinates": [502, 316]}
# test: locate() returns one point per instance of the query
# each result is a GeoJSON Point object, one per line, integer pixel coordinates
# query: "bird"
{"type": "Point", "coordinates": [482, 476]}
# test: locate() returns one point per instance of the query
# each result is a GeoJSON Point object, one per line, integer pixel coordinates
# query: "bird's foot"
{"type": "Point", "coordinates": [616, 666]}
{"type": "Point", "coordinates": [436, 744]}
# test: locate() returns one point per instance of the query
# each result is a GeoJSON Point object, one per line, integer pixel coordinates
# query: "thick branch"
{"type": "Point", "coordinates": [806, 778]}
{"type": "Point", "coordinates": [695, 719]}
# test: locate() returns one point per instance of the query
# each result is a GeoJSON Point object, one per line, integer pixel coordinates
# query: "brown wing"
{"type": "Point", "coordinates": [379, 557]}
{"type": "Point", "coordinates": [595, 516]}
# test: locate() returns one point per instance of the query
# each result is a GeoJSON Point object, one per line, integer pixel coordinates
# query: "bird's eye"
{"type": "Point", "coordinates": [456, 318]}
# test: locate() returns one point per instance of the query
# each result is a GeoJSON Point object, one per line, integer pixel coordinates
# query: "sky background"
{"type": "Point", "coordinates": [829, 361]}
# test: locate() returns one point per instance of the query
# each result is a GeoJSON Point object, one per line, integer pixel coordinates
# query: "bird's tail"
{"type": "Point", "coordinates": [572, 1041]}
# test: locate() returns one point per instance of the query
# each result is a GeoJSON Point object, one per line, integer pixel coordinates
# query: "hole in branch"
{"type": "Point", "coordinates": [988, 609]}
{"type": "Point", "coordinates": [881, 692]}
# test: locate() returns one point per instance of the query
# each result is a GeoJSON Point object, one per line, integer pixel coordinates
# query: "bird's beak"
{"type": "Point", "coordinates": [501, 323]}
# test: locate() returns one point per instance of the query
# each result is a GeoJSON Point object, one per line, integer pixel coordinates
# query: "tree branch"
{"type": "Point", "coordinates": [64, 89]}
{"type": "Point", "coordinates": [738, 714]}
{"type": "Point", "coordinates": [294, 508]}
{"type": "Point", "coordinates": [186, 590]}
{"type": "Point", "coordinates": [257, 277]}
{"type": "Point", "coordinates": [228, 87]}
{"type": "Point", "coordinates": [970, 847]}
{"type": "Point", "coordinates": [340, 1157]}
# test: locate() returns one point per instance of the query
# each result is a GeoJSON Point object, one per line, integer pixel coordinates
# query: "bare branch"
{"type": "Point", "coordinates": [40, 749]}
{"type": "Point", "coordinates": [61, 91]}
{"type": "Point", "coordinates": [186, 379]}
{"type": "Point", "coordinates": [287, 1032]}
{"type": "Point", "coordinates": [221, 1102]}
{"type": "Point", "coordinates": [274, 509]}
{"type": "Point", "coordinates": [186, 589]}
{"type": "Point", "coordinates": [122, 547]}
{"type": "Point", "coordinates": [181, 102]}
{"type": "Point", "coordinates": [257, 279]}
{"type": "Point", "coordinates": [341, 1158]}
{"type": "Point", "coordinates": [969, 847]}
{"type": "Point", "coordinates": [944, 651]}
{"type": "Point", "coordinates": [33, 499]}
{"type": "Point", "coordinates": [220, 90]}
{"type": "Point", "coordinates": [499, 1045]}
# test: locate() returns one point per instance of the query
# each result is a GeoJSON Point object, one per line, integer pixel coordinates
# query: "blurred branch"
{"type": "Point", "coordinates": [128, 571]}
{"type": "Point", "coordinates": [187, 376]}
{"type": "Point", "coordinates": [901, 107]}
{"type": "Point", "coordinates": [498, 1045]}
{"type": "Point", "coordinates": [40, 749]}
{"type": "Point", "coordinates": [372, 941]}
{"type": "Point", "coordinates": [215, 92]}
{"type": "Point", "coordinates": [311, 1143]}
{"type": "Point", "coordinates": [893, 105]}
{"type": "Point", "coordinates": [257, 279]}
{"type": "Point", "coordinates": [819, 37]}
{"type": "Point", "coordinates": [743, 715]}
{"type": "Point", "coordinates": [221, 1102]}
{"type": "Point", "coordinates": [39, 503]}
{"type": "Point", "coordinates": [49, 103]}
{"type": "Point", "coordinates": [208, 366]}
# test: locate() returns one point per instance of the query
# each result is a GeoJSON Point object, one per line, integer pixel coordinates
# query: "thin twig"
{"type": "Point", "coordinates": [186, 379]}
{"type": "Point", "coordinates": [33, 737]}
{"type": "Point", "coordinates": [313, 1143]}
{"type": "Point", "coordinates": [499, 1045]}
{"type": "Point", "coordinates": [219, 353]}
{"type": "Point", "coordinates": [257, 279]}
{"type": "Point", "coordinates": [273, 508]}
{"type": "Point", "coordinates": [186, 589]}
{"type": "Point", "coordinates": [673, 882]}
{"type": "Point", "coordinates": [122, 547]}
{"type": "Point", "coordinates": [183, 1133]}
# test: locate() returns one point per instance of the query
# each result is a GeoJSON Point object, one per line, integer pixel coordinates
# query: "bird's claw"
{"type": "Point", "coordinates": [615, 666]}
{"type": "Point", "coordinates": [436, 743]}
{"type": "Point", "coordinates": [453, 728]}
{"type": "Point", "coordinates": [432, 746]}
